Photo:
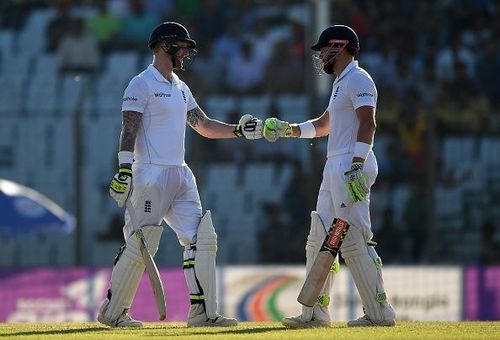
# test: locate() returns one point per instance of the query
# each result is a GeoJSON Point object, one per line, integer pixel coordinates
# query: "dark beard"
{"type": "Point", "coordinates": [328, 68]}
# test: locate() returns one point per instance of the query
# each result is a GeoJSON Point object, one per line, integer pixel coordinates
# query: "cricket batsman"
{"type": "Point", "coordinates": [157, 104]}
{"type": "Point", "coordinates": [349, 173]}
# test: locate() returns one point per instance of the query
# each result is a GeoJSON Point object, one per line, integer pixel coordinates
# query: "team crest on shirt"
{"type": "Point", "coordinates": [184, 96]}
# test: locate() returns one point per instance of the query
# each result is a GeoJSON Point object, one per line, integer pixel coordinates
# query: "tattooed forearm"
{"type": "Point", "coordinates": [195, 116]}
{"type": "Point", "coordinates": [130, 125]}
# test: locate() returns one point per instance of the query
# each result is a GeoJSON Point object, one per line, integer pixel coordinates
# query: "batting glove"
{"type": "Point", "coordinates": [120, 187]}
{"type": "Point", "coordinates": [275, 128]}
{"type": "Point", "coordinates": [249, 127]}
{"type": "Point", "coordinates": [355, 182]}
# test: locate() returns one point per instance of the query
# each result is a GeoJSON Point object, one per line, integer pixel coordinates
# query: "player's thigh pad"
{"type": "Point", "coordinates": [128, 270]}
{"type": "Point", "coordinates": [199, 266]}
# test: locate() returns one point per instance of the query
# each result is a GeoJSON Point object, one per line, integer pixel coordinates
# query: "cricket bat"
{"type": "Point", "coordinates": [151, 268]}
{"type": "Point", "coordinates": [323, 263]}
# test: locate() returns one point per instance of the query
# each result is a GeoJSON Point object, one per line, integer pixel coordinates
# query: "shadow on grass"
{"type": "Point", "coordinates": [83, 330]}
{"type": "Point", "coordinates": [56, 331]}
{"type": "Point", "coordinates": [221, 331]}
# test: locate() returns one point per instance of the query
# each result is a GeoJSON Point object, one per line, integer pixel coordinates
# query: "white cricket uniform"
{"type": "Point", "coordinates": [164, 188]}
{"type": "Point", "coordinates": [354, 88]}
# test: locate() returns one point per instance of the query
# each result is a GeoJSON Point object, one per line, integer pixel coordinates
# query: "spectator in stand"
{"type": "Point", "coordinates": [263, 40]}
{"type": "Point", "coordinates": [447, 57]}
{"type": "Point", "coordinates": [208, 21]}
{"type": "Point", "coordinates": [414, 212]}
{"type": "Point", "coordinates": [245, 71]}
{"type": "Point", "coordinates": [276, 229]}
{"type": "Point", "coordinates": [488, 69]}
{"type": "Point", "coordinates": [285, 72]}
{"type": "Point", "coordinates": [490, 248]}
{"type": "Point", "coordinates": [229, 44]}
{"type": "Point", "coordinates": [161, 10]}
{"type": "Point", "coordinates": [411, 130]}
{"type": "Point", "coordinates": [138, 25]}
{"type": "Point", "coordinates": [103, 25]}
{"type": "Point", "coordinates": [78, 51]}
{"type": "Point", "coordinates": [389, 233]}
{"type": "Point", "coordinates": [298, 43]}
{"type": "Point", "coordinates": [59, 25]}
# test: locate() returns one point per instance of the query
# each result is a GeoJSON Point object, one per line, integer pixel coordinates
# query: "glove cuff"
{"type": "Point", "coordinates": [238, 132]}
{"type": "Point", "coordinates": [125, 171]}
{"type": "Point", "coordinates": [357, 166]}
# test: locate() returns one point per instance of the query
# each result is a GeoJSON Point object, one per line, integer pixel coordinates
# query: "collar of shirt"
{"type": "Point", "coordinates": [346, 70]}
{"type": "Point", "coordinates": [160, 77]}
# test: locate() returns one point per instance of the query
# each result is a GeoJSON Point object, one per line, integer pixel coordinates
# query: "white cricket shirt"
{"type": "Point", "coordinates": [164, 106]}
{"type": "Point", "coordinates": [352, 89]}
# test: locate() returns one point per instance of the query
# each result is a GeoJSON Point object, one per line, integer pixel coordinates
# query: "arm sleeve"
{"type": "Point", "coordinates": [362, 91]}
{"type": "Point", "coordinates": [136, 96]}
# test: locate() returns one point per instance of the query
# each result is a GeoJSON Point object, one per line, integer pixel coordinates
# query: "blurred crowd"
{"type": "Point", "coordinates": [435, 64]}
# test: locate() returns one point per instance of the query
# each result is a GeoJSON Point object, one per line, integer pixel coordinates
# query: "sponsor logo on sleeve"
{"type": "Point", "coordinates": [364, 94]}
{"type": "Point", "coordinates": [129, 99]}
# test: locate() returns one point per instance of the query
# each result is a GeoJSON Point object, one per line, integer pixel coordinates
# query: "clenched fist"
{"type": "Point", "coordinates": [249, 127]}
{"type": "Point", "coordinates": [275, 128]}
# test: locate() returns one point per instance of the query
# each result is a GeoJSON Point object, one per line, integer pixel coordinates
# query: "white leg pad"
{"type": "Point", "coordinates": [199, 267]}
{"type": "Point", "coordinates": [128, 271]}
{"type": "Point", "coordinates": [366, 270]}
{"type": "Point", "coordinates": [315, 240]}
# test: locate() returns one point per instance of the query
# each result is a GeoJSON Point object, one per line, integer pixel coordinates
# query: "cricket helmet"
{"type": "Point", "coordinates": [172, 31]}
{"type": "Point", "coordinates": [336, 33]}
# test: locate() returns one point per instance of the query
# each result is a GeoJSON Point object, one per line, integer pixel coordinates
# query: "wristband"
{"type": "Point", "coordinates": [361, 150]}
{"type": "Point", "coordinates": [307, 130]}
{"type": "Point", "coordinates": [125, 157]}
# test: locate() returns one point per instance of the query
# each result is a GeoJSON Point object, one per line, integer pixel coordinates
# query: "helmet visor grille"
{"type": "Point", "coordinates": [325, 56]}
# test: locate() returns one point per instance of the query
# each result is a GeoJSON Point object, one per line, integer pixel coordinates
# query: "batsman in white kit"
{"type": "Point", "coordinates": [350, 171]}
{"type": "Point", "coordinates": [159, 185]}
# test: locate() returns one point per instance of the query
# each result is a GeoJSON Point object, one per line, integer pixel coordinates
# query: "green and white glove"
{"type": "Point", "coordinates": [275, 128]}
{"type": "Point", "coordinates": [355, 182]}
{"type": "Point", "coordinates": [120, 187]}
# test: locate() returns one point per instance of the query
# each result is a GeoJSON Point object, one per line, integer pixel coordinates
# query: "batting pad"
{"type": "Point", "coordinates": [128, 271]}
{"type": "Point", "coordinates": [366, 270]}
{"type": "Point", "coordinates": [199, 267]}
{"type": "Point", "coordinates": [315, 240]}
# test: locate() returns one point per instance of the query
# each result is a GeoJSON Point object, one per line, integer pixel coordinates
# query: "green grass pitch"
{"type": "Point", "coordinates": [252, 330]}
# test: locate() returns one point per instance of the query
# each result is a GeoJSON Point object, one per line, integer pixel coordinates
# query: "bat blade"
{"type": "Point", "coordinates": [316, 278]}
{"type": "Point", "coordinates": [154, 277]}
{"type": "Point", "coordinates": [323, 263]}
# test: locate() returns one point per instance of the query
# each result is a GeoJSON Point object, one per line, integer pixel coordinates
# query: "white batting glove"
{"type": "Point", "coordinates": [275, 128]}
{"type": "Point", "coordinates": [120, 187]}
{"type": "Point", "coordinates": [249, 127]}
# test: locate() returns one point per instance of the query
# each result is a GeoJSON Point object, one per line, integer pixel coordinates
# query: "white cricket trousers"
{"type": "Point", "coordinates": [165, 193]}
{"type": "Point", "coordinates": [333, 198]}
